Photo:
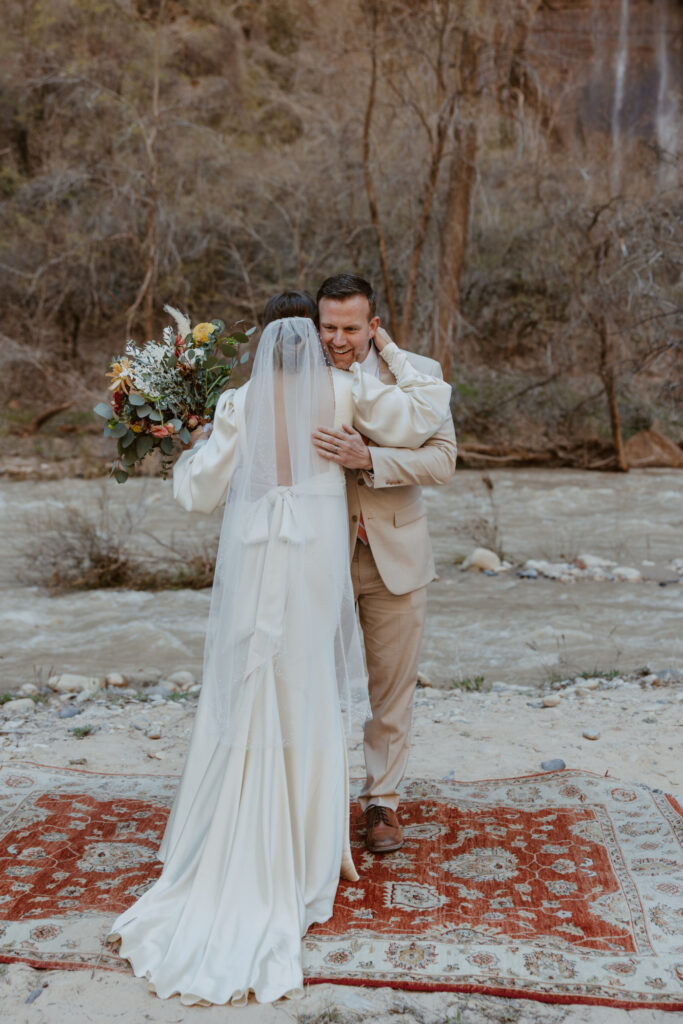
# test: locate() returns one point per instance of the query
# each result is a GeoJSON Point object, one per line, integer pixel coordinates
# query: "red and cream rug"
{"type": "Point", "coordinates": [565, 887]}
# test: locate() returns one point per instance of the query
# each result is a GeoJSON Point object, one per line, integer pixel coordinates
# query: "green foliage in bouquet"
{"type": "Point", "coordinates": [165, 389]}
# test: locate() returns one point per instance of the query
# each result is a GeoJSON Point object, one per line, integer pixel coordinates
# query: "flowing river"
{"type": "Point", "coordinates": [496, 627]}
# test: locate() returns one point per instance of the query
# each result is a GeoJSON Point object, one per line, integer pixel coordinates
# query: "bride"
{"type": "Point", "coordinates": [258, 835]}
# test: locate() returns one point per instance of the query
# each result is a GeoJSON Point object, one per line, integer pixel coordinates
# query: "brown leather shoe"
{"type": "Point", "coordinates": [383, 832]}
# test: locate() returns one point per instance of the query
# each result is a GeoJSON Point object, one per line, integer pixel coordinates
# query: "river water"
{"type": "Point", "coordinates": [502, 628]}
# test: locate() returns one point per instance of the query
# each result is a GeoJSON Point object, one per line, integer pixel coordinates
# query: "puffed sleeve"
{"type": "Point", "coordinates": [401, 415]}
{"type": "Point", "coordinates": [202, 474]}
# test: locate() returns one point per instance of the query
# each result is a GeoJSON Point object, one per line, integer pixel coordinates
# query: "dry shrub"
{"type": "Point", "coordinates": [68, 549]}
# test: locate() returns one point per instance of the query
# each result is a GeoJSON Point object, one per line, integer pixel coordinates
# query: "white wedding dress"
{"type": "Point", "coordinates": [258, 833]}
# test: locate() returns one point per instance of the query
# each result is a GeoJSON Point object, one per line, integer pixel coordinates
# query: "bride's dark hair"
{"type": "Point", "coordinates": [289, 304]}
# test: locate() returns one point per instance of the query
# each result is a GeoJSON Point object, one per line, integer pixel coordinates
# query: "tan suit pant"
{"type": "Point", "coordinates": [392, 627]}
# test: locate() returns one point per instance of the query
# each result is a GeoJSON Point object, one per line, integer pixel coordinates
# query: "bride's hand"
{"type": "Point", "coordinates": [382, 339]}
{"type": "Point", "coordinates": [196, 434]}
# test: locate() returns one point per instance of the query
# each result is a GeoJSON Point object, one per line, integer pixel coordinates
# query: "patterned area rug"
{"type": "Point", "coordinates": [565, 887]}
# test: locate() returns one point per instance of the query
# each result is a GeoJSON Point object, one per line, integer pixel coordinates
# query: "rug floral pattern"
{"type": "Point", "coordinates": [565, 886]}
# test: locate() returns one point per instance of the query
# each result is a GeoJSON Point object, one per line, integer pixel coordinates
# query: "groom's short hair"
{"type": "Point", "coordinates": [289, 304]}
{"type": "Point", "coordinates": [345, 286]}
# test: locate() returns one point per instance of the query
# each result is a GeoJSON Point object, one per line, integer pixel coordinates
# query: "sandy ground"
{"type": "Point", "coordinates": [457, 735]}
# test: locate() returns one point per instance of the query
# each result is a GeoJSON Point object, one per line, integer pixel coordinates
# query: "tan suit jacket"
{"type": "Point", "coordinates": [391, 501]}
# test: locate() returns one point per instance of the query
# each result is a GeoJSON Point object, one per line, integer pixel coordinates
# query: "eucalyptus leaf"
{"type": "Point", "coordinates": [143, 410]}
{"type": "Point", "coordinates": [176, 424]}
{"type": "Point", "coordinates": [244, 358]}
{"type": "Point", "coordinates": [241, 338]}
{"type": "Point", "coordinates": [219, 324]}
{"type": "Point", "coordinates": [228, 349]}
{"type": "Point", "coordinates": [128, 439]}
{"type": "Point", "coordinates": [144, 444]}
{"type": "Point", "coordinates": [103, 410]}
{"type": "Point", "coordinates": [118, 430]}
{"type": "Point", "coordinates": [155, 416]}
{"type": "Point", "coordinates": [184, 435]}
{"type": "Point", "coordinates": [129, 457]}
{"type": "Point", "coordinates": [166, 445]}
{"type": "Point", "coordinates": [250, 331]}
{"type": "Point", "coordinates": [135, 399]}
{"type": "Point", "coordinates": [120, 476]}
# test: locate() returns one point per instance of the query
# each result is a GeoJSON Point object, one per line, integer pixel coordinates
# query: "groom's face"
{"type": "Point", "coordinates": [346, 329]}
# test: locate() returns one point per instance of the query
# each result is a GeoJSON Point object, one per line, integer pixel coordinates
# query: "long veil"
{"type": "Point", "coordinates": [282, 602]}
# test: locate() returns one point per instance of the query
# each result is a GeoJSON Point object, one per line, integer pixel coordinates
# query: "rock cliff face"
{"type": "Point", "coordinates": [611, 66]}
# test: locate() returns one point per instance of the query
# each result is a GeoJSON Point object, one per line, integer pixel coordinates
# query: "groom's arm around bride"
{"type": "Point", "coordinates": [391, 552]}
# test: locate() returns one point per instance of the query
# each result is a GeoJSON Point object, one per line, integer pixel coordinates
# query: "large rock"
{"type": "Point", "coordinates": [70, 683]}
{"type": "Point", "coordinates": [482, 558]}
{"type": "Point", "coordinates": [183, 679]}
{"type": "Point", "coordinates": [21, 706]}
{"type": "Point", "coordinates": [650, 448]}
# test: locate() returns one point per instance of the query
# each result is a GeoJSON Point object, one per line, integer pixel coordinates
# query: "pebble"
{"type": "Point", "coordinates": [144, 676]}
{"type": "Point", "coordinates": [154, 732]}
{"type": "Point", "coordinates": [12, 726]}
{"type": "Point", "coordinates": [667, 675]}
{"type": "Point", "coordinates": [423, 680]}
{"type": "Point", "coordinates": [527, 574]}
{"type": "Point", "coordinates": [70, 712]}
{"type": "Point", "coordinates": [116, 679]}
{"type": "Point", "coordinates": [27, 689]}
{"type": "Point", "coordinates": [592, 562]}
{"type": "Point", "coordinates": [626, 574]}
{"type": "Point", "coordinates": [181, 678]}
{"type": "Point", "coordinates": [589, 684]}
{"type": "Point", "coordinates": [556, 764]}
{"type": "Point", "coordinates": [482, 558]}
{"type": "Point", "coordinates": [163, 689]}
{"type": "Point", "coordinates": [551, 700]}
{"type": "Point", "coordinates": [19, 706]}
{"type": "Point", "coordinates": [590, 734]}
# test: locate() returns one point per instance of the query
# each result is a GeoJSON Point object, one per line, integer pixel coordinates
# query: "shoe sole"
{"type": "Point", "coordinates": [384, 849]}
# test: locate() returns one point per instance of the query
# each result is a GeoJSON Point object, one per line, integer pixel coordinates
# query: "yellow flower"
{"type": "Point", "coordinates": [120, 374]}
{"type": "Point", "coordinates": [202, 333]}
{"type": "Point", "coordinates": [136, 428]}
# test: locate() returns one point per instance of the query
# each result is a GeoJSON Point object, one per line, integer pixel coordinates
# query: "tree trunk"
{"type": "Point", "coordinates": [608, 378]}
{"type": "Point", "coordinates": [370, 185]}
{"type": "Point", "coordinates": [454, 231]}
{"type": "Point", "coordinates": [145, 295]}
{"type": "Point", "coordinates": [426, 203]}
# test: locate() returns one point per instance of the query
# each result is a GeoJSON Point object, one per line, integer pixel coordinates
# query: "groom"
{"type": "Point", "coordinates": [391, 561]}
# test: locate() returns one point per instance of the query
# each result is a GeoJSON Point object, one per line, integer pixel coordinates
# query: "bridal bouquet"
{"type": "Point", "coordinates": [166, 388]}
